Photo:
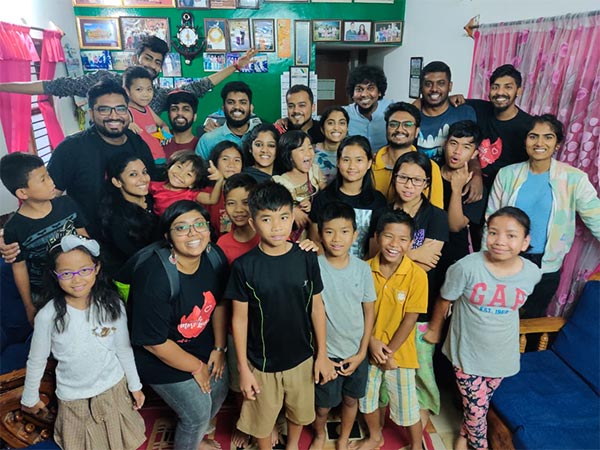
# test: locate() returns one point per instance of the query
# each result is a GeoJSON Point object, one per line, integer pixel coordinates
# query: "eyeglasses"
{"type": "Point", "coordinates": [416, 181]}
{"type": "Point", "coordinates": [407, 124]}
{"type": "Point", "coordinates": [84, 272]}
{"type": "Point", "coordinates": [183, 230]}
{"type": "Point", "coordinates": [107, 110]}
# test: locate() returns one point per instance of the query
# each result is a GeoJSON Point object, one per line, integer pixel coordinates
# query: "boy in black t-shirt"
{"type": "Point", "coordinates": [40, 218]}
{"type": "Point", "coordinates": [277, 305]}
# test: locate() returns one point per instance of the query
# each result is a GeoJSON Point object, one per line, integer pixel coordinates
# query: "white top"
{"type": "Point", "coordinates": [92, 357]}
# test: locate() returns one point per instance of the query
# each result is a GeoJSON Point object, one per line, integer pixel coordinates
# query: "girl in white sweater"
{"type": "Point", "coordinates": [84, 326]}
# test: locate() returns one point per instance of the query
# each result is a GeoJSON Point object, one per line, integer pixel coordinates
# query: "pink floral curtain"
{"type": "Point", "coordinates": [52, 52]}
{"type": "Point", "coordinates": [559, 58]}
{"type": "Point", "coordinates": [16, 53]}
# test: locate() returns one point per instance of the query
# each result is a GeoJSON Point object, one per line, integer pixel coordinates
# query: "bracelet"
{"type": "Point", "coordinates": [197, 371]}
{"type": "Point", "coordinates": [220, 349]}
{"type": "Point", "coordinates": [237, 66]}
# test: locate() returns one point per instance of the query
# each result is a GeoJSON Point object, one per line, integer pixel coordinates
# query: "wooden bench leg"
{"type": "Point", "coordinates": [499, 436]}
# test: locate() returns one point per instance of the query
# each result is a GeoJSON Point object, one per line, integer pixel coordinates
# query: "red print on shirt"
{"type": "Point", "coordinates": [192, 325]}
{"type": "Point", "coordinates": [489, 152]}
{"type": "Point", "coordinates": [480, 296]}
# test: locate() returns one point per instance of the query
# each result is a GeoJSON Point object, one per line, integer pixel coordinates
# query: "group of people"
{"type": "Point", "coordinates": [408, 208]}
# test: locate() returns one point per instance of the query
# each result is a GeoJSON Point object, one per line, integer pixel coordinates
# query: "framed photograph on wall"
{"type": "Point", "coordinates": [216, 34]}
{"type": "Point", "coordinates": [302, 44]}
{"type": "Point", "coordinates": [327, 30]}
{"type": "Point", "coordinates": [172, 65]}
{"type": "Point", "coordinates": [388, 32]}
{"type": "Point", "coordinates": [134, 29]}
{"type": "Point", "coordinates": [99, 33]}
{"type": "Point", "coordinates": [193, 4]}
{"type": "Point", "coordinates": [96, 60]}
{"type": "Point", "coordinates": [97, 3]}
{"type": "Point", "coordinates": [122, 60]}
{"type": "Point", "coordinates": [357, 31]}
{"type": "Point", "coordinates": [263, 34]}
{"type": "Point", "coordinates": [223, 4]}
{"type": "Point", "coordinates": [149, 3]}
{"type": "Point", "coordinates": [239, 34]}
{"type": "Point", "coordinates": [247, 4]}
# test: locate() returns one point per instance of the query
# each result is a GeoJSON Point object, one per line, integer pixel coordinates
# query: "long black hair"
{"type": "Point", "coordinates": [105, 302]}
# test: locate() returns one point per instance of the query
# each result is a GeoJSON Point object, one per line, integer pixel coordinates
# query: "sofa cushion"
{"type": "Point", "coordinates": [548, 406]}
{"type": "Point", "coordinates": [578, 343]}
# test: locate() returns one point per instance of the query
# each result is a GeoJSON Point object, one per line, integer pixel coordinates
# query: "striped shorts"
{"type": "Point", "coordinates": [400, 388]}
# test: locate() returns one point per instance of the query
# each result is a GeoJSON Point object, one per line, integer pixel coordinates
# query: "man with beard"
{"type": "Point", "coordinates": [402, 127]}
{"type": "Point", "coordinates": [237, 106]}
{"type": "Point", "coordinates": [78, 164]}
{"type": "Point", "coordinates": [504, 126]}
{"type": "Point", "coordinates": [366, 86]}
{"type": "Point", "coordinates": [150, 54]}
{"type": "Point", "coordinates": [181, 107]}
{"type": "Point", "coordinates": [300, 107]}
{"type": "Point", "coordinates": [436, 113]}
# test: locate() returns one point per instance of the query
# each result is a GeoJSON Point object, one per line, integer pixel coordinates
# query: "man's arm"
{"type": "Point", "coordinates": [242, 61]}
{"type": "Point", "coordinates": [27, 87]}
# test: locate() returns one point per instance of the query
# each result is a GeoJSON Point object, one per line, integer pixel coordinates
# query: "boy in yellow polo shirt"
{"type": "Point", "coordinates": [401, 288]}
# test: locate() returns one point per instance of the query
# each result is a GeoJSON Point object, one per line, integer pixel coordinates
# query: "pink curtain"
{"type": "Point", "coordinates": [52, 52]}
{"type": "Point", "coordinates": [559, 58]}
{"type": "Point", "coordinates": [16, 53]}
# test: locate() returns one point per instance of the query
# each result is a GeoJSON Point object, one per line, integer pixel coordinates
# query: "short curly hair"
{"type": "Point", "coordinates": [367, 74]}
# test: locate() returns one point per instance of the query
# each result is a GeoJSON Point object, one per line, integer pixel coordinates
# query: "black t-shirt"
{"type": "Point", "coordinates": [186, 319]}
{"type": "Point", "coordinates": [78, 166]}
{"type": "Point", "coordinates": [258, 175]}
{"type": "Point", "coordinates": [503, 140]}
{"type": "Point", "coordinates": [279, 292]}
{"type": "Point", "coordinates": [33, 235]}
{"type": "Point", "coordinates": [363, 204]}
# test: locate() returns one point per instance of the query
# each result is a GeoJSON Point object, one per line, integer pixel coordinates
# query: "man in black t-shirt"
{"type": "Point", "coordinates": [78, 164]}
{"type": "Point", "coordinates": [300, 107]}
{"type": "Point", "coordinates": [503, 125]}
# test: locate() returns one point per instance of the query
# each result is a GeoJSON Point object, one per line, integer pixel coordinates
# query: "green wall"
{"type": "Point", "coordinates": [265, 86]}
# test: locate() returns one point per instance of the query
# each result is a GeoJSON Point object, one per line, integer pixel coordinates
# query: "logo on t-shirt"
{"type": "Point", "coordinates": [191, 326]}
{"type": "Point", "coordinates": [400, 296]}
{"type": "Point", "coordinates": [489, 152]}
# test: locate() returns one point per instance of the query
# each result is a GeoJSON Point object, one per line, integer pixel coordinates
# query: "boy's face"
{"type": "Point", "coordinates": [459, 151]}
{"type": "Point", "coordinates": [140, 92]}
{"type": "Point", "coordinates": [39, 186]}
{"type": "Point", "coordinates": [337, 236]}
{"type": "Point", "coordinates": [273, 227]}
{"type": "Point", "coordinates": [394, 241]}
{"type": "Point", "coordinates": [236, 205]}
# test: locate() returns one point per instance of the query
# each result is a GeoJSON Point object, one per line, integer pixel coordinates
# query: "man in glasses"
{"type": "Point", "coordinates": [403, 122]}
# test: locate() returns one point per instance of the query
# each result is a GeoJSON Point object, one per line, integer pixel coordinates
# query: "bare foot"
{"type": "Point", "coordinates": [342, 445]}
{"type": "Point", "coordinates": [461, 443]}
{"type": "Point", "coordinates": [239, 439]}
{"type": "Point", "coordinates": [318, 442]}
{"type": "Point", "coordinates": [366, 444]}
{"type": "Point", "coordinates": [209, 444]}
{"type": "Point", "coordinates": [275, 437]}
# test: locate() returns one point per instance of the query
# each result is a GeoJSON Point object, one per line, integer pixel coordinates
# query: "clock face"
{"type": "Point", "coordinates": [187, 36]}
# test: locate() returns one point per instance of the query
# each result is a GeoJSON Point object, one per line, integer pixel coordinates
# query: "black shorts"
{"type": "Point", "coordinates": [329, 395]}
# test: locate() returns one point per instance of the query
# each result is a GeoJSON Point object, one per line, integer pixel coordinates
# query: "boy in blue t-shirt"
{"type": "Point", "coordinates": [349, 296]}
{"type": "Point", "coordinates": [276, 292]}
{"type": "Point", "coordinates": [40, 218]}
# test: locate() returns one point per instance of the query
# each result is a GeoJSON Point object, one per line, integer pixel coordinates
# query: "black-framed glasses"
{"type": "Point", "coordinates": [183, 230]}
{"type": "Point", "coordinates": [83, 272]}
{"type": "Point", "coordinates": [107, 110]}
{"type": "Point", "coordinates": [406, 124]}
{"type": "Point", "coordinates": [416, 181]}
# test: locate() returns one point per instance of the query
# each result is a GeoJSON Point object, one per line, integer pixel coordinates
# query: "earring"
{"type": "Point", "coordinates": [173, 257]}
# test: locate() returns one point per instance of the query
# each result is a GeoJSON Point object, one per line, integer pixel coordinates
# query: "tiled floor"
{"type": "Point", "coordinates": [447, 423]}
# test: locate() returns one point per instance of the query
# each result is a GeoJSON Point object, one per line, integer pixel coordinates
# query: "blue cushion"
{"type": "Point", "coordinates": [14, 357]}
{"type": "Point", "coordinates": [578, 343]}
{"type": "Point", "coordinates": [548, 406]}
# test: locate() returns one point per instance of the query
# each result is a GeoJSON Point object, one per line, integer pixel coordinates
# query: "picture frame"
{"type": "Point", "coordinates": [284, 38]}
{"type": "Point", "coordinates": [223, 4]}
{"type": "Point", "coordinates": [299, 75]}
{"type": "Point", "coordinates": [148, 3]}
{"type": "Point", "coordinates": [263, 34]}
{"type": "Point", "coordinates": [326, 30]}
{"type": "Point", "coordinates": [416, 65]}
{"type": "Point", "coordinates": [96, 60]}
{"type": "Point", "coordinates": [166, 82]}
{"type": "Point", "coordinates": [99, 33]}
{"type": "Point", "coordinates": [193, 4]}
{"type": "Point", "coordinates": [122, 60]}
{"type": "Point", "coordinates": [216, 35]}
{"type": "Point", "coordinates": [172, 65]}
{"type": "Point", "coordinates": [302, 43]}
{"type": "Point", "coordinates": [357, 31]}
{"type": "Point", "coordinates": [247, 4]}
{"type": "Point", "coordinates": [286, 1]}
{"type": "Point", "coordinates": [388, 32]}
{"type": "Point", "coordinates": [239, 35]}
{"type": "Point", "coordinates": [213, 62]}
{"type": "Point", "coordinates": [95, 3]}
{"type": "Point", "coordinates": [133, 29]}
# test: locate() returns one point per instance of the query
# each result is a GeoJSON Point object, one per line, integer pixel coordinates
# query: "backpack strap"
{"type": "Point", "coordinates": [170, 269]}
{"type": "Point", "coordinates": [217, 261]}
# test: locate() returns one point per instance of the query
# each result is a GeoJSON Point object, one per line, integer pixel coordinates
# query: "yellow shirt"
{"type": "Point", "coordinates": [382, 176]}
{"type": "Point", "coordinates": [404, 292]}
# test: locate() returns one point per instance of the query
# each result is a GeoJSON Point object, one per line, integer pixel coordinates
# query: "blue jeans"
{"type": "Point", "coordinates": [193, 407]}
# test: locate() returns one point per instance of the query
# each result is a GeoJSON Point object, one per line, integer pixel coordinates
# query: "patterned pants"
{"type": "Point", "coordinates": [476, 393]}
